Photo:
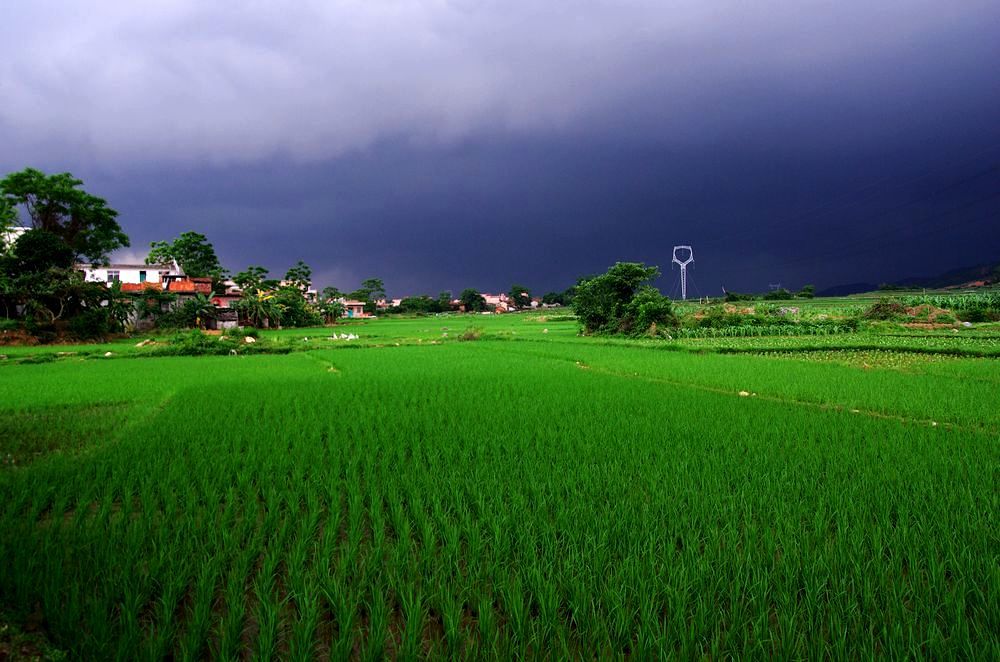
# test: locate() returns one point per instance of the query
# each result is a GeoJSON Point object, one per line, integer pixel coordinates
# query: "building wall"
{"type": "Point", "coordinates": [126, 274]}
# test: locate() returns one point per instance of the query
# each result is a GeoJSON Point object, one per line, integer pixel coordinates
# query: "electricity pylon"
{"type": "Point", "coordinates": [683, 264]}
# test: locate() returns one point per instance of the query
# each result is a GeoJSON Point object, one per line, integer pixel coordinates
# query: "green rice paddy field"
{"type": "Point", "coordinates": [531, 493]}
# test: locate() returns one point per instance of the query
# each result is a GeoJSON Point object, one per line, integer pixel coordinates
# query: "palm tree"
{"type": "Point", "coordinates": [259, 308]}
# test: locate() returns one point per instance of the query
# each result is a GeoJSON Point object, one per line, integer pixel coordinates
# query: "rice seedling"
{"type": "Point", "coordinates": [548, 496]}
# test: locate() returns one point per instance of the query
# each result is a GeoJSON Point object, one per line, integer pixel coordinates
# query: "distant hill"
{"type": "Point", "coordinates": [844, 290]}
{"type": "Point", "coordinates": [969, 276]}
{"type": "Point", "coordinates": [963, 276]}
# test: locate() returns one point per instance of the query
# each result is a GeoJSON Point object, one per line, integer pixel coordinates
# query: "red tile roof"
{"type": "Point", "coordinates": [140, 287]}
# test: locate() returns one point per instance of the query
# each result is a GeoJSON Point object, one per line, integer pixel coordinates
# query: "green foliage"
{"type": "Point", "coordinates": [733, 297]}
{"type": "Point", "coordinates": [57, 204]}
{"type": "Point", "coordinates": [424, 304]}
{"type": "Point", "coordinates": [807, 292]}
{"type": "Point", "coordinates": [38, 251]}
{"type": "Point", "coordinates": [259, 308]}
{"type": "Point", "coordinates": [374, 287]}
{"type": "Point", "coordinates": [648, 312]}
{"type": "Point", "coordinates": [618, 301]}
{"type": "Point", "coordinates": [780, 294]}
{"type": "Point", "coordinates": [331, 310]}
{"type": "Point", "coordinates": [8, 218]}
{"type": "Point", "coordinates": [192, 252]}
{"type": "Point", "coordinates": [299, 275]}
{"type": "Point", "coordinates": [294, 309]}
{"type": "Point", "coordinates": [472, 301]}
{"type": "Point", "coordinates": [552, 298]}
{"type": "Point", "coordinates": [519, 296]}
{"type": "Point", "coordinates": [331, 292]}
{"type": "Point", "coordinates": [91, 324]}
{"type": "Point", "coordinates": [255, 278]}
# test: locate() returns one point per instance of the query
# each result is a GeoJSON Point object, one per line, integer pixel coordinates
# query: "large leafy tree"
{"type": "Point", "coordinates": [472, 300]}
{"type": "Point", "coordinates": [193, 253]}
{"type": "Point", "coordinates": [520, 296]}
{"type": "Point", "coordinates": [375, 288]}
{"type": "Point", "coordinates": [58, 204]}
{"type": "Point", "coordinates": [255, 278]}
{"type": "Point", "coordinates": [41, 279]}
{"type": "Point", "coordinates": [371, 290]}
{"type": "Point", "coordinates": [331, 293]}
{"type": "Point", "coordinates": [621, 301]}
{"type": "Point", "coordinates": [299, 275]}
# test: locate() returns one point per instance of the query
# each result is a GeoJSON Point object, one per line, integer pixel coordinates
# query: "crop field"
{"type": "Point", "coordinates": [521, 492]}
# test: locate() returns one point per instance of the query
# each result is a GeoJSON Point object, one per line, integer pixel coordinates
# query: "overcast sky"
{"type": "Point", "coordinates": [443, 145]}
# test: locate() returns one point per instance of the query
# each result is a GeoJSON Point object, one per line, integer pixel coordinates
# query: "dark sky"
{"type": "Point", "coordinates": [443, 145]}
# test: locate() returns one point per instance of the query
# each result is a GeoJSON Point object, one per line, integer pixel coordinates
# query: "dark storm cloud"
{"type": "Point", "coordinates": [446, 144]}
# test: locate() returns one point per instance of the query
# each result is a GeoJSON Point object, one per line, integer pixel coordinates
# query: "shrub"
{"type": "Point", "coordinates": [91, 324]}
{"type": "Point", "coordinates": [619, 301]}
{"type": "Point", "coordinates": [471, 333]}
{"type": "Point", "coordinates": [647, 310]}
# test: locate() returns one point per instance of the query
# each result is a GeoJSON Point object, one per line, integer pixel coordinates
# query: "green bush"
{"type": "Point", "coordinates": [91, 324]}
{"type": "Point", "coordinates": [647, 310]}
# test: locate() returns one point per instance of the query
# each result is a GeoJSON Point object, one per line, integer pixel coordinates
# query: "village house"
{"type": "Point", "coordinates": [354, 308]}
{"type": "Point", "coordinates": [500, 303]}
{"type": "Point", "coordinates": [9, 236]}
{"type": "Point", "coordinates": [129, 272]}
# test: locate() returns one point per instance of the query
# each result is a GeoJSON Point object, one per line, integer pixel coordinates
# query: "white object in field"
{"type": "Point", "coordinates": [683, 264]}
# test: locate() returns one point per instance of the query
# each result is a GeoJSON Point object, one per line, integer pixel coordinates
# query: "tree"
{"type": "Point", "coordinates": [255, 278]}
{"type": "Point", "coordinates": [295, 310]}
{"type": "Point", "coordinates": [57, 204]}
{"type": "Point", "coordinates": [444, 300]}
{"type": "Point", "coordinates": [331, 293]}
{"type": "Point", "coordinates": [619, 301]}
{"type": "Point", "coordinates": [192, 252]}
{"type": "Point", "coordinates": [331, 309]}
{"type": "Point", "coordinates": [259, 308]}
{"type": "Point", "coordinates": [472, 300]}
{"type": "Point", "coordinates": [371, 290]}
{"type": "Point", "coordinates": [8, 216]}
{"type": "Point", "coordinates": [807, 292]}
{"type": "Point", "coordinates": [375, 288]}
{"type": "Point", "coordinates": [552, 298]}
{"type": "Point", "coordinates": [300, 275]}
{"type": "Point", "coordinates": [197, 310]}
{"type": "Point", "coordinates": [520, 296]}
{"type": "Point", "coordinates": [39, 250]}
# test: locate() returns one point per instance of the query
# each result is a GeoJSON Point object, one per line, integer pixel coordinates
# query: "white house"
{"type": "Point", "coordinates": [129, 273]}
{"type": "Point", "coordinates": [9, 236]}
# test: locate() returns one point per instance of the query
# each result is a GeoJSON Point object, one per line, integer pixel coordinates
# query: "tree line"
{"type": "Point", "coordinates": [43, 292]}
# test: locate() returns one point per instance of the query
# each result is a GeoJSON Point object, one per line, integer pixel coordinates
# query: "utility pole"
{"type": "Point", "coordinates": [683, 264]}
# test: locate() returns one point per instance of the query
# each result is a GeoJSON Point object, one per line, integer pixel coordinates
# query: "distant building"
{"type": "Point", "coordinates": [130, 273]}
{"type": "Point", "coordinates": [500, 303]}
{"type": "Point", "coordinates": [354, 308]}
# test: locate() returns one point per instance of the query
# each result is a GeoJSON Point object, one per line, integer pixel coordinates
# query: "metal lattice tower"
{"type": "Point", "coordinates": [683, 265]}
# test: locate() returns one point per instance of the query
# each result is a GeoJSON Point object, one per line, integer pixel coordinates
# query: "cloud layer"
{"type": "Point", "coordinates": [445, 144]}
{"type": "Point", "coordinates": [241, 81]}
